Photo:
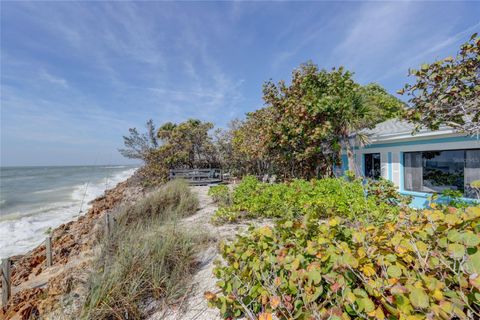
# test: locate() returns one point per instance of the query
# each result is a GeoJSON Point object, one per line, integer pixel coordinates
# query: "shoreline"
{"type": "Point", "coordinates": [73, 243]}
{"type": "Point", "coordinates": [25, 224]}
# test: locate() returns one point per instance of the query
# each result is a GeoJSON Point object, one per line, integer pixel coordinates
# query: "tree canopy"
{"type": "Point", "coordinates": [139, 146]}
{"type": "Point", "coordinates": [447, 92]}
{"type": "Point", "coordinates": [304, 126]}
{"type": "Point", "coordinates": [184, 145]}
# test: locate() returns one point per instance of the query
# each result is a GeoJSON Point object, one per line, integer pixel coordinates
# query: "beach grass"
{"type": "Point", "coordinates": [148, 258]}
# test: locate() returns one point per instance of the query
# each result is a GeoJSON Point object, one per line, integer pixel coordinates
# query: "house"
{"type": "Point", "coordinates": [421, 164]}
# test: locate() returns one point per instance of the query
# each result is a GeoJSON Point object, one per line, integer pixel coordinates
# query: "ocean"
{"type": "Point", "coordinates": [34, 199]}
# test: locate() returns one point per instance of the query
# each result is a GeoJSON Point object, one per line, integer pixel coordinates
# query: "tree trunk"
{"type": "Point", "coordinates": [350, 156]}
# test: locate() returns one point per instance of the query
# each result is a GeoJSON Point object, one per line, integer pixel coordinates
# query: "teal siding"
{"type": "Point", "coordinates": [344, 163]}
{"type": "Point", "coordinates": [420, 200]}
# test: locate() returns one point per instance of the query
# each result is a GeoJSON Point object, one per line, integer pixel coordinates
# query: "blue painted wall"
{"type": "Point", "coordinates": [419, 199]}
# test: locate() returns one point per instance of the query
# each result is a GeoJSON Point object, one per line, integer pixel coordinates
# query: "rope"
{"type": "Point", "coordinates": [107, 176]}
{"type": "Point", "coordinates": [86, 187]}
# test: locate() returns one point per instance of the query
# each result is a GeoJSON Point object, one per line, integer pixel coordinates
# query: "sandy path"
{"type": "Point", "coordinates": [195, 305]}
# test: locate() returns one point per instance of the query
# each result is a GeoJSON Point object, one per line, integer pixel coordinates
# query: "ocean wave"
{"type": "Point", "coordinates": [50, 190]}
{"type": "Point", "coordinates": [20, 232]}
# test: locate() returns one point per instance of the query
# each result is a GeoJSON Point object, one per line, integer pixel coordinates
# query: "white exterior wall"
{"type": "Point", "coordinates": [396, 168]}
{"type": "Point", "coordinates": [384, 164]}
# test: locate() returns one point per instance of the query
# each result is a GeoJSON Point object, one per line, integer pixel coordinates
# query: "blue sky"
{"type": "Point", "coordinates": [75, 76]}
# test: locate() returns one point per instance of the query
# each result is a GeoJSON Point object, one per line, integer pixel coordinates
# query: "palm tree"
{"type": "Point", "coordinates": [349, 121]}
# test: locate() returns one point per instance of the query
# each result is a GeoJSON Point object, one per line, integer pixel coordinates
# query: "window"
{"type": "Point", "coordinates": [436, 171]}
{"type": "Point", "coordinates": [372, 165]}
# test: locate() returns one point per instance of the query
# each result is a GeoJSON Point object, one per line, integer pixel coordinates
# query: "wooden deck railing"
{"type": "Point", "coordinates": [197, 176]}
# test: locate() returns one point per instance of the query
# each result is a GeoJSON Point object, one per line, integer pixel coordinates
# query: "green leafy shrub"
{"type": "Point", "coordinates": [225, 215]}
{"type": "Point", "coordinates": [448, 198]}
{"type": "Point", "coordinates": [317, 198]}
{"type": "Point", "coordinates": [424, 266]}
{"type": "Point", "coordinates": [386, 191]}
{"type": "Point", "coordinates": [221, 195]}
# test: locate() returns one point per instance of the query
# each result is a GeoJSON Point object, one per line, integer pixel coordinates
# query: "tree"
{"type": "Point", "coordinates": [251, 143]}
{"type": "Point", "coordinates": [139, 146]}
{"type": "Point", "coordinates": [359, 107]}
{"type": "Point", "coordinates": [382, 105]}
{"type": "Point", "coordinates": [447, 92]}
{"type": "Point", "coordinates": [228, 152]}
{"type": "Point", "coordinates": [300, 139]}
{"type": "Point", "coordinates": [317, 115]}
{"type": "Point", "coordinates": [187, 144]}
{"type": "Point", "coordinates": [184, 145]}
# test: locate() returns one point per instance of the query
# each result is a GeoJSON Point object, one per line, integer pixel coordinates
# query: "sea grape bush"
{"type": "Point", "coordinates": [317, 198]}
{"type": "Point", "coordinates": [448, 198]}
{"type": "Point", "coordinates": [426, 265]}
{"type": "Point", "coordinates": [386, 191]}
{"type": "Point", "coordinates": [220, 194]}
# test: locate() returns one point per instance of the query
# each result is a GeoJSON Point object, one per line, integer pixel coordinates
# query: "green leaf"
{"type": "Point", "coordinates": [394, 271]}
{"type": "Point", "coordinates": [473, 263]}
{"type": "Point", "coordinates": [350, 260]}
{"type": "Point", "coordinates": [471, 239]}
{"type": "Point", "coordinates": [419, 298]}
{"type": "Point", "coordinates": [314, 276]}
{"type": "Point", "coordinates": [454, 236]}
{"type": "Point", "coordinates": [367, 304]}
{"type": "Point", "coordinates": [456, 250]}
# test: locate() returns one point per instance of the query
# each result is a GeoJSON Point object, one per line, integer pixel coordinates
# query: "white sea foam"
{"type": "Point", "coordinates": [49, 190]}
{"type": "Point", "coordinates": [20, 233]}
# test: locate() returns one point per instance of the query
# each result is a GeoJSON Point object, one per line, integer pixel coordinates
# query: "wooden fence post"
{"type": "Point", "coordinates": [112, 223]}
{"type": "Point", "coordinates": [48, 250]}
{"type": "Point", "coordinates": [107, 224]}
{"type": "Point", "coordinates": [6, 285]}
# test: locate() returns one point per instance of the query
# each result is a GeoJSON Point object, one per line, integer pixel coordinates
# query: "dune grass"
{"type": "Point", "coordinates": [147, 258]}
{"type": "Point", "coordinates": [172, 200]}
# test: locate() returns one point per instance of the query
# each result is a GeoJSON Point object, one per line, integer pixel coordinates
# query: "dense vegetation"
{"type": "Point", "coordinates": [146, 258]}
{"type": "Point", "coordinates": [184, 145]}
{"type": "Point", "coordinates": [341, 250]}
{"type": "Point", "coordinates": [304, 125]}
{"type": "Point", "coordinates": [314, 199]}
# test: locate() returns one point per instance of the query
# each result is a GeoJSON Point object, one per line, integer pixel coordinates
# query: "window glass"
{"type": "Point", "coordinates": [443, 170]}
{"type": "Point", "coordinates": [372, 165]}
{"type": "Point", "coordinates": [472, 173]}
{"type": "Point", "coordinates": [413, 171]}
{"type": "Point", "coordinates": [436, 171]}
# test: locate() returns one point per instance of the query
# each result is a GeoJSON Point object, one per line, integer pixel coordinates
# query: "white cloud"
{"type": "Point", "coordinates": [375, 28]}
{"type": "Point", "coordinates": [432, 49]}
{"type": "Point", "coordinates": [44, 75]}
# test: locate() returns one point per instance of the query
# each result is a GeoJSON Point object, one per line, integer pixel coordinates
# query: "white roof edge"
{"type": "Point", "coordinates": [398, 129]}
{"type": "Point", "coordinates": [409, 135]}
